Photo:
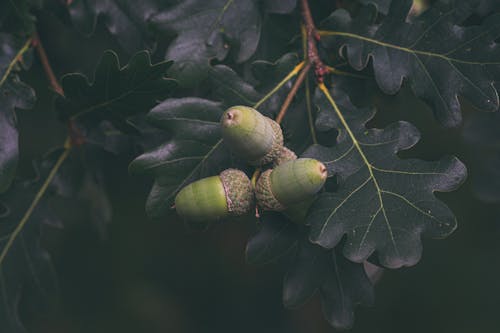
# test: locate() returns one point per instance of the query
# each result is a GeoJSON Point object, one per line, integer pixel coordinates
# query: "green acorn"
{"type": "Point", "coordinates": [228, 194]}
{"type": "Point", "coordinates": [290, 183]}
{"type": "Point", "coordinates": [251, 135]}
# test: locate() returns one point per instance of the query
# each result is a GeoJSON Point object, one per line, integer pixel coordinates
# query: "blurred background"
{"type": "Point", "coordinates": [152, 276]}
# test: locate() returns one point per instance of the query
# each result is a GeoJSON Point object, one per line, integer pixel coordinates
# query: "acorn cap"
{"type": "Point", "coordinates": [290, 183]}
{"type": "Point", "coordinates": [240, 197]}
{"type": "Point", "coordinates": [251, 135]}
{"type": "Point", "coordinates": [283, 156]}
{"type": "Point", "coordinates": [229, 194]}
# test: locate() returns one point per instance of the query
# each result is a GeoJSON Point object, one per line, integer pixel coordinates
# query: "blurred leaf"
{"type": "Point", "coordinates": [342, 284]}
{"type": "Point", "coordinates": [346, 285]}
{"type": "Point", "coordinates": [481, 7]}
{"type": "Point", "coordinates": [11, 47]}
{"type": "Point", "coordinates": [126, 20]}
{"type": "Point", "coordinates": [275, 238]}
{"type": "Point", "coordinates": [482, 138]}
{"type": "Point", "coordinates": [26, 265]}
{"type": "Point", "coordinates": [280, 7]}
{"type": "Point", "coordinates": [13, 94]}
{"type": "Point", "coordinates": [306, 274]}
{"type": "Point", "coordinates": [15, 16]}
{"type": "Point", "coordinates": [382, 5]}
{"type": "Point", "coordinates": [439, 58]}
{"type": "Point", "coordinates": [383, 203]}
{"type": "Point", "coordinates": [116, 93]}
{"type": "Point", "coordinates": [206, 30]}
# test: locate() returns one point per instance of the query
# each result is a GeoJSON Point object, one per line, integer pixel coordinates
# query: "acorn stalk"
{"type": "Point", "coordinates": [228, 194]}
{"type": "Point", "coordinates": [290, 183]}
{"type": "Point", "coordinates": [251, 135]}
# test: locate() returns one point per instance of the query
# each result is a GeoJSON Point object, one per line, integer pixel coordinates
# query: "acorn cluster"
{"type": "Point", "coordinates": [290, 182]}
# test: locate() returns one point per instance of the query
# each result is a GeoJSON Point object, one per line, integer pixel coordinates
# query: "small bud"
{"type": "Point", "coordinates": [212, 198]}
{"type": "Point", "coordinates": [290, 183]}
{"type": "Point", "coordinates": [251, 135]}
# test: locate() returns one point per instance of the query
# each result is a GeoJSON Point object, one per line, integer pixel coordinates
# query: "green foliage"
{"type": "Point", "coordinates": [208, 30]}
{"type": "Point", "coordinates": [116, 93]}
{"type": "Point", "coordinates": [383, 203]}
{"type": "Point", "coordinates": [28, 265]}
{"type": "Point", "coordinates": [440, 59]}
{"type": "Point", "coordinates": [188, 61]}
{"type": "Point", "coordinates": [13, 94]}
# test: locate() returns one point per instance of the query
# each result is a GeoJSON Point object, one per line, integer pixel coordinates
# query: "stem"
{"type": "Point", "coordinates": [16, 59]}
{"type": "Point", "coordinates": [46, 65]}
{"type": "Point", "coordinates": [76, 137]}
{"type": "Point", "coordinates": [312, 37]}
{"type": "Point", "coordinates": [294, 72]}
{"type": "Point", "coordinates": [344, 73]}
{"type": "Point", "coordinates": [255, 176]}
{"type": "Point", "coordinates": [309, 112]}
{"type": "Point", "coordinates": [308, 90]}
{"type": "Point", "coordinates": [293, 92]}
{"type": "Point", "coordinates": [36, 200]}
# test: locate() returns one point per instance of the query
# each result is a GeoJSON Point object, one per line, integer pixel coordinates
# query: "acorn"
{"type": "Point", "coordinates": [228, 194]}
{"type": "Point", "coordinates": [251, 135]}
{"type": "Point", "coordinates": [290, 183]}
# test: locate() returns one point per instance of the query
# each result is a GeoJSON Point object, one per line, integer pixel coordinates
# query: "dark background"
{"type": "Point", "coordinates": [157, 276]}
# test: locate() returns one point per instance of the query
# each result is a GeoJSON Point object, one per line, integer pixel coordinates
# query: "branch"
{"type": "Point", "coordinates": [46, 65]}
{"type": "Point", "coordinates": [34, 203]}
{"type": "Point", "coordinates": [293, 92]}
{"type": "Point", "coordinates": [16, 59]}
{"type": "Point", "coordinates": [76, 137]}
{"type": "Point", "coordinates": [312, 36]}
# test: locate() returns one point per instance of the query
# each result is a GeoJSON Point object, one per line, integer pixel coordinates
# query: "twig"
{"type": "Point", "coordinates": [46, 65]}
{"type": "Point", "coordinates": [16, 59]}
{"type": "Point", "coordinates": [293, 92]}
{"type": "Point", "coordinates": [34, 203]}
{"type": "Point", "coordinates": [76, 137]}
{"type": "Point", "coordinates": [294, 72]}
{"type": "Point", "coordinates": [320, 70]}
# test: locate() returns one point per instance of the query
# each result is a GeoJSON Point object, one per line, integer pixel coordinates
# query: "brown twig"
{"type": "Point", "coordinates": [75, 135]}
{"type": "Point", "coordinates": [320, 70]}
{"type": "Point", "coordinates": [46, 65]}
{"type": "Point", "coordinates": [291, 94]}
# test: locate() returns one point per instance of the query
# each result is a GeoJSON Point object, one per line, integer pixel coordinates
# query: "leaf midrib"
{"type": "Point", "coordinates": [406, 49]}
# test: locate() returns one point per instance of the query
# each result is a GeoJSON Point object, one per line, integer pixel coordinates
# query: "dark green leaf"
{"type": "Point", "coordinates": [346, 286]}
{"type": "Point", "coordinates": [126, 20]}
{"type": "Point", "coordinates": [116, 93]}
{"type": "Point", "coordinates": [382, 5]}
{"type": "Point", "coordinates": [15, 16]}
{"type": "Point", "coordinates": [439, 58]}
{"type": "Point", "coordinates": [482, 7]}
{"type": "Point", "coordinates": [306, 274]}
{"type": "Point", "coordinates": [230, 88]}
{"type": "Point", "coordinates": [280, 7]}
{"type": "Point", "coordinates": [275, 238]}
{"type": "Point", "coordinates": [26, 264]}
{"type": "Point", "coordinates": [342, 284]}
{"type": "Point", "coordinates": [13, 94]}
{"type": "Point", "coordinates": [482, 140]}
{"type": "Point", "coordinates": [195, 150]}
{"type": "Point", "coordinates": [10, 47]}
{"type": "Point", "coordinates": [383, 204]}
{"type": "Point", "coordinates": [206, 30]}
